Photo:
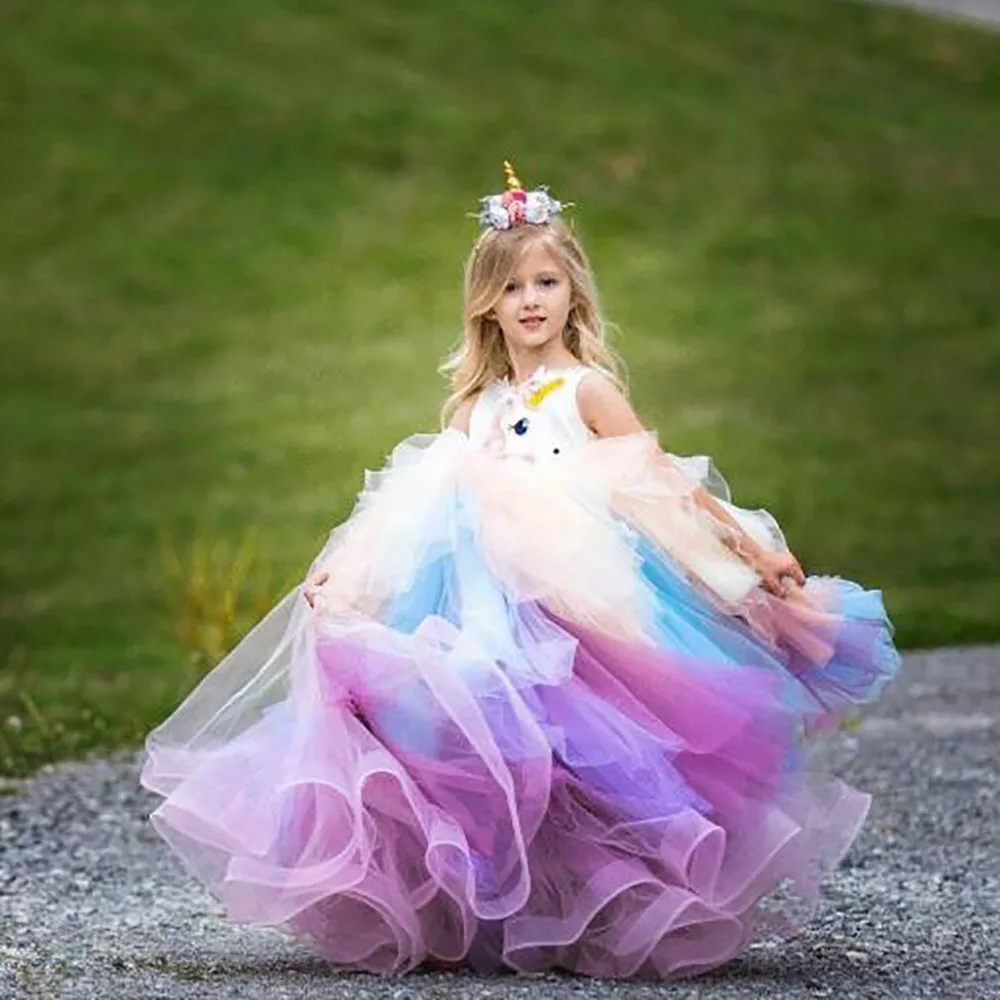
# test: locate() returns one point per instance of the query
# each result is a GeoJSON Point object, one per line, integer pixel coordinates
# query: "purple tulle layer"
{"type": "Point", "coordinates": [579, 802]}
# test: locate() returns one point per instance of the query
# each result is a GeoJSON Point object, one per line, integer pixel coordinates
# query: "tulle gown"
{"type": "Point", "coordinates": [541, 716]}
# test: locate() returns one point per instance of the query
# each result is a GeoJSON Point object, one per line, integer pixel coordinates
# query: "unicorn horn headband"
{"type": "Point", "coordinates": [515, 206]}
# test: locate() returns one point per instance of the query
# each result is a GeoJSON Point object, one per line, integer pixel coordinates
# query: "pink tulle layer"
{"type": "Point", "coordinates": [635, 815]}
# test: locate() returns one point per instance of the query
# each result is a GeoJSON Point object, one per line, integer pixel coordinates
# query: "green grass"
{"type": "Point", "coordinates": [230, 259]}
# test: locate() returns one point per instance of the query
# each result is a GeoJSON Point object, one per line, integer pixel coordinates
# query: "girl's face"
{"type": "Point", "coordinates": [534, 305]}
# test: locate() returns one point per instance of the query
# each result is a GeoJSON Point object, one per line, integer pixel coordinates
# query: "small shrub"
{"type": "Point", "coordinates": [217, 591]}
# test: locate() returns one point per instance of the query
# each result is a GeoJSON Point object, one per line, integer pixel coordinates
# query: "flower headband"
{"type": "Point", "coordinates": [516, 206]}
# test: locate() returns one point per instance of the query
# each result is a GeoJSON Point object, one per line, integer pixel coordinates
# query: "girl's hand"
{"type": "Point", "coordinates": [778, 571]}
{"type": "Point", "coordinates": [318, 579]}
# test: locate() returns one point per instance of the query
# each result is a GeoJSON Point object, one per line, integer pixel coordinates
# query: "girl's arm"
{"type": "Point", "coordinates": [608, 413]}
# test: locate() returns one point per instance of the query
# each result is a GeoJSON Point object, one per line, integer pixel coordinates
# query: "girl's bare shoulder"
{"type": "Point", "coordinates": [604, 408]}
{"type": "Point", "coordinates": [462, 416]}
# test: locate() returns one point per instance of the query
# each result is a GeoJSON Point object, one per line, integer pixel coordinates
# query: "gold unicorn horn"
{"type": "Point", "coordinates": [513, 184]}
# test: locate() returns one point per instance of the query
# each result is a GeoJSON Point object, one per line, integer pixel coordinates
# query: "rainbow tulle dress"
{"type": "Point", "coordinates": [539, 717]}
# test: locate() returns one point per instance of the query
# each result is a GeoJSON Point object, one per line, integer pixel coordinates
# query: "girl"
{"type": "Point", "coordinates": [541, 702]}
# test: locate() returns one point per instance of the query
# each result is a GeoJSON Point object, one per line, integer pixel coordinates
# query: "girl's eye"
{"type": "Point", "coordinates": [548, 282]}
{"type": "Point", "coordinates": [510, 286]}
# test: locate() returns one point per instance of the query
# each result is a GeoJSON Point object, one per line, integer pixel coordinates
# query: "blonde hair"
{"type": "Point", "coordinates": [481, 355]}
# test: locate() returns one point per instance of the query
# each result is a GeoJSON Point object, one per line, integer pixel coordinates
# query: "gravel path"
{"type": "Point", "coordinates": [92, 904]}
{"type": "Point", "coordinates": [977, 11]}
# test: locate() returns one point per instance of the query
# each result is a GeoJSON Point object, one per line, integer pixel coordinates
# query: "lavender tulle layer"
{"type": "Point", "coordinates": [539, 717]}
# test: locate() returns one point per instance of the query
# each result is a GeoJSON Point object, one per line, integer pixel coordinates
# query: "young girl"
{"type": "Point", "coordinates": [542, 699]}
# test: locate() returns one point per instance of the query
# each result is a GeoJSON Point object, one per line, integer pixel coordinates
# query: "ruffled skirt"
{"type": "Point", "coordinates": [539, 717]}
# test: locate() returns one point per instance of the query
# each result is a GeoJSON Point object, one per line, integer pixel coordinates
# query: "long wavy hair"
{"type": "Point", "coordinates": [481, 355]}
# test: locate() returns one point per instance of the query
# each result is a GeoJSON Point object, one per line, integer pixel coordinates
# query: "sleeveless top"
{"type": "Point", "coordinates": [538, 420]}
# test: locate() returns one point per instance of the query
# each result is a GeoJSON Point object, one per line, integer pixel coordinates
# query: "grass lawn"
{"type": "Point", "coordinates": [230, 255]}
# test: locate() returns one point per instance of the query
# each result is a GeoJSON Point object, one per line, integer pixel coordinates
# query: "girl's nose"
{"type": "Point", "coordinates": [530, 293]}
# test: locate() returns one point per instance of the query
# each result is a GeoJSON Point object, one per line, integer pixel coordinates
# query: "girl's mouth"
{"type": "Point", "coordinates": [533, 322]}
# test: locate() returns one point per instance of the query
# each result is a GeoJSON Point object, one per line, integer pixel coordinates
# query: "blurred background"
{"type": "Point", "coordinates": [231, 243]}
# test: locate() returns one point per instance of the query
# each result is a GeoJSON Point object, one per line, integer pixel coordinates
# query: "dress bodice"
{"type": "Point", "coordinates": [537, 420]}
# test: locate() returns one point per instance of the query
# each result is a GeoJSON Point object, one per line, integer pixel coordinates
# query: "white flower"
{"type": "Point", "coordinates": [493, 213]}
{"type": "Point", "coordinates": [536, 208]}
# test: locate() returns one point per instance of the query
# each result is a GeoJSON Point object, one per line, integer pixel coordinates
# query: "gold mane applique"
{"type": "Point", "coordinates": [535, 399]}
